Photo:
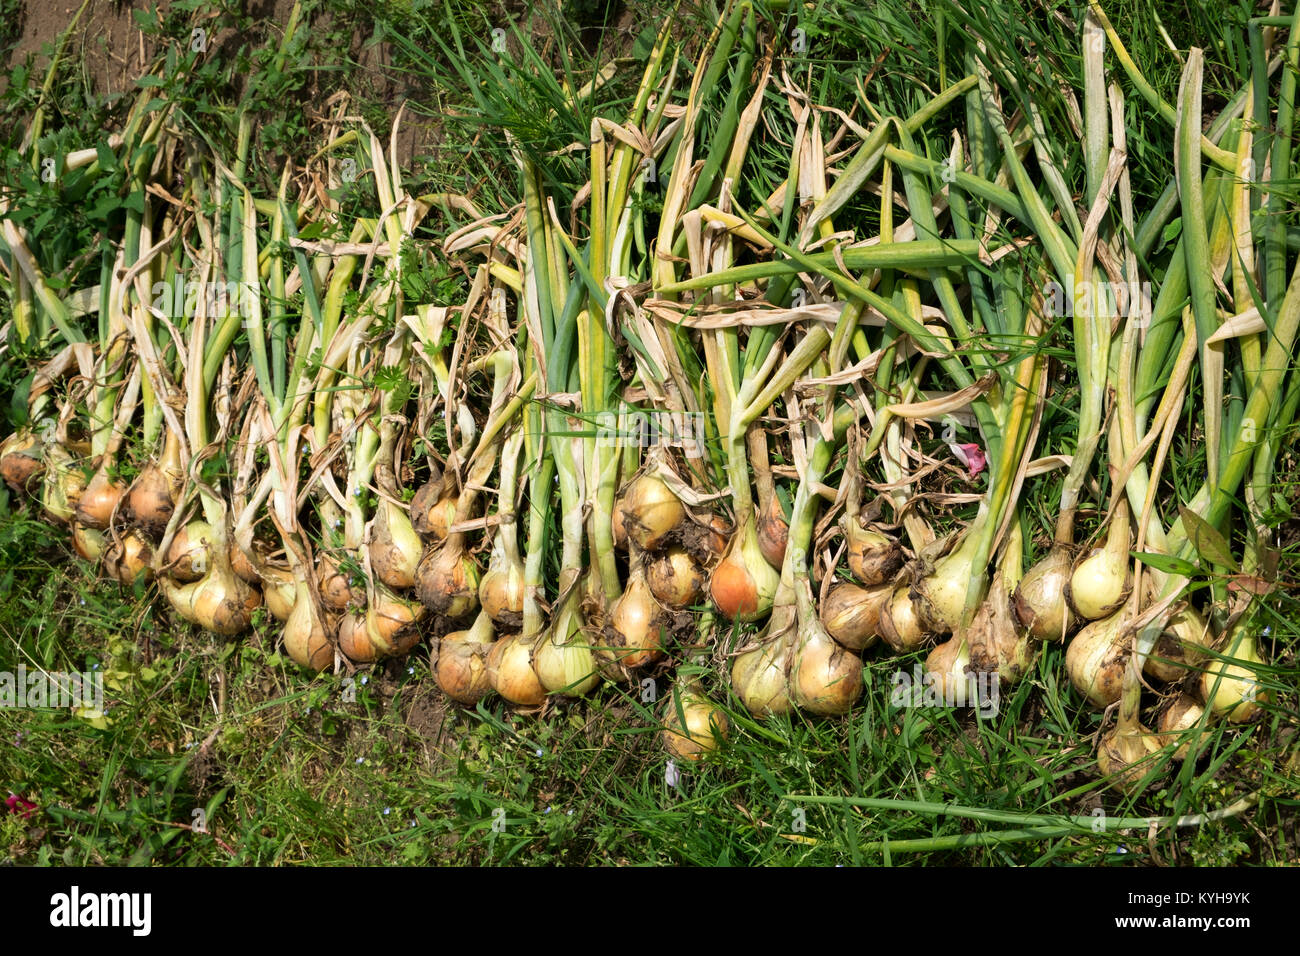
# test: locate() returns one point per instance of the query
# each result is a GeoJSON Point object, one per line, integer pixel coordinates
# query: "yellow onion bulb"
{"type": "Point", "coordinates": [562, 657]}
{"type": "Point", "coordinates": [99, 499]}
{"type": "Point", "coordinates": [743, 584]}
{"type": "Point", "coordinates": [873, 558]}
{"type": "Point", "coordinates": [130, 559]}
{"type": "Point", "coordinates": [851, 614]}
{"type": "Point", "coordinates": [447, 580]}
{"type": "Point", "coordinates": [635, 628]}
{"type": "Point", "coordinates": [21, 460]}
{"type": "Point", "coordinates": [219, 602]}
{"type": "Point", "coordinates": [675, 578]}
{"type": "Point", "coordinates": [651, 512]}
{"type": "Point", "coordinates": [511, 674]}
{"type": "Point", "coordinates": [949, 666]}
{"type": "Point", "coordinates": [1100, 582]}
{"type": "Point", "coordinates": [338, 592]}
{"type": "Point", "coordinates": [306, 637]}
{"type": "Point", "coordinates": [391, 623]}
{"type": "Point", "coordinates": [900, 622]}
{"type": "Point", "coordinates": [773, 532]}
{"type": "Point", "coordinates": [279, 591]}
{"type": "Point", "coordinates": [432, 511]}
{"type": "Point", "coordinates": [88, 543]}
{"type": "Point", "coordinates": [824, 677]}
{"type": "Point", "coordinates": [1097, 657]}
{"type": "Point", "coordinates": [1039, 599]}
{"type": "Point", "coordinates": [1124, 754]}
{"type": "Point", "coordinates": [1181, 645]}
{"type": "Point", "coordinates": [698, 728]}
{"type": "Point", "coordinates": [759, 678]}
{"type": "Point", "coordinates": [61, 485]}
{"type": "Point", "coordinates": [1176, 723]}
{"type": "Point", "coordinates": [461, 671]}
{"type": "Point", "coordinates": [353, 639]}
{"type": "Point", "coordinates": [189, 558]}
{"type": "Point", "coordinates": [501, 590]}
{"type": "Point", "coordinates": [395, 547]}
{"type": "Point", "coordinates": [1232, 689]}
{"type": "Point", "coordinates": [941, 594]}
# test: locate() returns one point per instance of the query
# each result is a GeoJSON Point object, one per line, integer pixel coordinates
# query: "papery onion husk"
{"type": "Point", "coordinates": [338, 592]}
{"type": "Point", "coordinates": [1231, 689]}
{"type": "Point", "coordinates": [651, 512]}
{"type": "Point", "coordinates": [1097, 657]}
{"type": "Point", "coordinates": [1181, 645]}
{"type": "Point", "coordinates": [61, 485]}
{"type": "Point", "coordinates": [743, 584]}
{"type": "Point", "coordinates": [433, 510]}
{"type": "Point", "coordinates": [447, 580]}
{"type": "Point", "coordinates": [1100, 581]}
{"type": "Point", "coordinates": [562, 657]}
{"type": "Point", "coordinates": [699, 728]}
{"type": "Point", "coordinates": [129, 559]}
{"type": "Point", "coordinates": [501, 590]}
{"type": "Point", "coordinates": [635, 629]}
{"type": "Point", "coordinates": [1124, 754]}
{"type": "Point", "coordinates": [900, 622]}
{"type": "Point", "coordinates": [151, 499]}
{"type": "Point", "coordinates": [675, 578]}
{"type": "Point", "coordinates": [219, 602]}
{"type": "Point", "coordinates": [87, 542]}
{"type": "Point", "coordinates": [511, 674]}
{"type": "Point", "coordinates": [873, 557]}
{"type": "Point", "coordinates": [189, 557]}
{"type": "Point", "coordinates": [997, 645]}
{"type": "Point", "coordinates": [98, 500]}
{"type": "Point", "coordinates": [773, 532]}
{"type": "Point", "coordinates": [395, 547]}
{"type": "Point", "coordinates": [824, 677]}
{"type": "Point", "coordinates": [1174, 722]}
{"type": "Point", "coordinates": [279, 591]}
{"type": "Point", "coordinates": [461, 670]}
{"type": "Point", "coordinates": [1039, 600]}
{"type": "Point", "coordinates": [306, 632]}
{"type": "Point", "coordinates": [851, 614]}
{"type": "Point", "coordinates": [21, 460]}
{"type": "Point", "coordinates": [242, 566]}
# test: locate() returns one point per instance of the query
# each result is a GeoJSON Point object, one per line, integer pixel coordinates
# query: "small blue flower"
{"type": "Point", "coordinates": [365, 679]}
{"type": "Point", "coordinates": [361, 760]}
{"type": "Point", "coordinates": [539, 751]}
{"type": "Point", "coordinates": [570, 812]}
{"type": "Point", "coordinates": [387, 810]}
{"type": "Point", "coordinates": [548, 809]}
{"type": "Point", "coordinates": [410, 670]}
{"type": "Point", "coordinates": [412, 824]}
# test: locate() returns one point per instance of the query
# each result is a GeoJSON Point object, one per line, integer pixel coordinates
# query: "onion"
{"type": "Point", "coordinates": [501, 591]}
{"type": "Point", "coordinates": [1124, 754]}
{"type": "Point", "coordinates": [242, 565]}
{"type": "Point", "coordinates": [152, 497]}
{"type": "Point", "coordinates": [1231, 688]}
{"type": "Point", "coordinates": [873, 558]}
{"type": "Point", "coordinates": [1176, 720]}
{"type": "Point", "coordinates": [219, 602]}
{"type": "Point", "coordinates": [386, 628]}
{"type": "Point", "coordinates": [675, 578]}
{"type": "Point", "coordinates": [432, 511]}
{"type": "Point", "coordinates": [337, 592]}
{"type": "Point", "coordinates": [88, 543]}
{"type": "Point", "coordinates": [759, 678]}
{"type": "Point", "coordinates": [128, 560]}
{"type": "Point", "coordinates": [851, 614]}
{"type": "Point", "coordinates": [1096, 658]}
{"type": "Point", "coordinates": [62, 484]}
{"type": "Point", "coordinates": [510, 671]}
{"type": "Point", "coordinates": [461, 670]}
{"type": "Point", "coordinates": [824, 678]}
{"type": "Point", "coordinates": [21, 460]}
{"type": "Point", "coordinates": [189, 557]}
{"type": "Point", "coordinates": [1040, 602]}
{"type": "Point", "coordinates": [306, 638]}
{"type": "Point", "coordinates": [940, 594]}
{"type": "Point", "coordinates": [1100, 582]}
{"type": "Point", "coordinates": [900, 623]}
{"type": "Point", "coordinates": [279, 591]}
{"type": "Point", "coordinates": [949, 665]}
{"type": "Point", "coordinates": [634, 633]}
{"type": "Point", "coordinates": [651, 512]}
{"type": "Point", "coordinates": [693, 724]}
{"type": "Point", "coordinates": [395, 548]}
{"type": "Point", "coordinates": [997, 646]}
{"type": "Point", "coordinates": [773, 532]}
{"type": "Point", "coordinates": [1180, 646]}
{"type": "Point", "coordinates": [562, 657]}
{"type": "Point", "coordinates": [99, 499]}
{"type": "Point", "coordinates": [743, 584]}
{"type": "Point", "coordinates": [447, 579]}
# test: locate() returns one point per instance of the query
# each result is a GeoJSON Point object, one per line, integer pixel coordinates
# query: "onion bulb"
{"type": "Point", "coordinates": [152, 497]}
{"type": "Point", "coordinates": [189, 557]}
{"type": "Point", "coordinates": [1176, 720]}
{"type": "Point", "coordinates": [900, 622]}
{"type": "Point", "coordinates": [219, 602]}
{"type": "Point", "coordinates": [1124, 753]}
{"type": "Point", "coordinates": [873, 558]}
{"type": "Point", "coordinates": [242, 565]}
{"type": "Point", "coordinates": [851, 614]}
{"type": "Point", "coordinates": [1180, 645]}
{"type": "Point", "coordinates": [501, 591]}
{"type": "Point", "coordinates": [88, 543]}
{"type": "Point", "coordinates": [941, 592]}
{"type": "Point", "coordinates": [61, 485]}
{"type": "Point", "coordinates": [1097, 657]}
{"type": "Point", "coordinates": [395, 548]}
{"type": "Point", "coordinates": [824, 678]}
{"type": "Point", "coordinates": [1231, 688]}
{"type": "Point", "coordinates": [1100, 582]}
{"type": "Point", "coordinates": [20, 460]}
{"type": "Point", "coordinates": [337, 591]}
{"type": "Point", "coordinates": [129, 559]}
{"type": "Point", "coordinates": [675, 578]}
{"type": "Point", "coordinates": [1040, 602]}
{"type": "Point", "coordinates": [743, 584]}
{"type": "Point", "coordinates": [279, 591]}
{"type": "Point", "coordinates": [306, 638]}
{"type": "Point", "coordinates": [997, 646]}
{"type": "Point", "coordinates": [759, 676]}
{"type": "Point", "coordinates": [634, 632]}
{"type": "Point", "coordinates": [693, 724]}
{"type": "Point", "coordinates": [773, 532]}
{"type": "Point", "coordinates": [562, 657]}
{"type": "Point", "coordinates": [510, 671]}
{"type": "Point", "coordinates": [432, 511]}
{"type": "Point", "coordinates": [447, 579]}
{"type": "Point", "coordinates": [651, 512]}
{"type": "Point", "coordinates": [99, 499]}
{"type": "Point", "coordinates": [386, 628]}
{"type": "Point", "coordinates": [461, 670]}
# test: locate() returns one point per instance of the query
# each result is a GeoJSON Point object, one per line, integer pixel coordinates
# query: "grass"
{"type": "Point", "coordinates": [222, 752]}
